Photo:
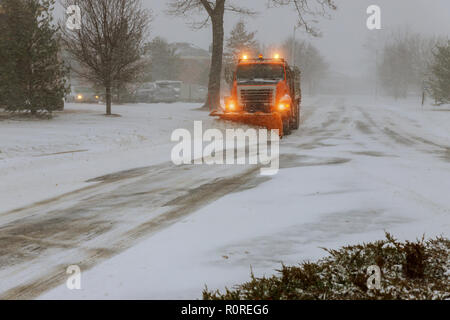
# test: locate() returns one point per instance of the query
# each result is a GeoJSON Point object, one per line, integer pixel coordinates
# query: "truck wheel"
{"type": "Point", "coordinates": [286, 126]}
{"type": "Point", "coordinates": [295, 119]}
{"type": "Point", "coordinates": [292, 119]}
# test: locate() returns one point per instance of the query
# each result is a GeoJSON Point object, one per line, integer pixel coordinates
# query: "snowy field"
{"type": "Point", "coordinates": [101, 193]}
{"type": "Point", "coordinates": [42, 159]}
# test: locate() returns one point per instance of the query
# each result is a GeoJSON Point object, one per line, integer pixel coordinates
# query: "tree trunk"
{"type": "Point", "coordinates": [118, 96]}
{"type": "Point", "coordinates": [108, 101]}
{"type": "Point", "coordinates": [213, 100]}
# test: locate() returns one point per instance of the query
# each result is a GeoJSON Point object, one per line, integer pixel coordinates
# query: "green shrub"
{"type": "Point", "coordinates": [409, 270]}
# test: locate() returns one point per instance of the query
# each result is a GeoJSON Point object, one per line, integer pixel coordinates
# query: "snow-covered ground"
{"type": "Point", "coordinates": [354, 170]}
{"type": "Point", "coordinates": [42, 159]}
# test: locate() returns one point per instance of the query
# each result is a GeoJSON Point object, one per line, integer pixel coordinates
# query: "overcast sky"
{"type": "Point", "coordinates": [343, 37]}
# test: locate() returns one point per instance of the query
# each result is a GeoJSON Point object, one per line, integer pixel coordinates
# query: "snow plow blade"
{"type": "Point", "coordinates": [259, 119]}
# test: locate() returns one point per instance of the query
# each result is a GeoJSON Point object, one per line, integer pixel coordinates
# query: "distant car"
{"type": "Point", "coordinates": [83, 94]}
{"type": "Point", "coordinates": [167, 91]}
{"type": "Point", "coordinates": [159, 91]}
{"type": "Point", "coordinates": [146, 92]}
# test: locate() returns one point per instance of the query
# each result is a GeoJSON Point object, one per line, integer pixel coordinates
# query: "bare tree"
{"type": "Point", "coordinates": [404, 63]}
{"type": "Point", "coordinates": [311, 63]}
{"type": "Point", "coordinates": [215, 11]}
{"type": "Point", "coordinates": [109, 44]}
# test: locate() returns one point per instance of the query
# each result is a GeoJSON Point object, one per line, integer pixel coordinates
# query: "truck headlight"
{"type": "Point", "coordinates": [284, 103]}
{"type": "Point", "coordinates": [231, 106]}
{"type": "Point", "coordinates": [283, 106]}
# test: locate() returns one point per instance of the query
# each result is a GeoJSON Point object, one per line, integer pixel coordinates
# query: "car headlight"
{"type": "Point", "coordinates": [79, 97]}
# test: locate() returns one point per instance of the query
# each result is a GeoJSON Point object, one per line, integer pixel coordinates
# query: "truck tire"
{"type": "Point", "coordinates": [295, 119]}
{"type": "Point", "coordinates": [286, 126]}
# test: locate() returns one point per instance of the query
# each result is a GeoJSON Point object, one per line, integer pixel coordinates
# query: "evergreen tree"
{"type": "Point", "coordinates": [238, 43]}
{"type": "Point", "coordinates": [439, 82]}
{"type": "Point", "coordinates": [32, 76]}
{"type": "Point", "coordinates": [241, 41]}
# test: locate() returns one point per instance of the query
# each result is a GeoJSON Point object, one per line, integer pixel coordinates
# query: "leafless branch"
{"type": "Point", "coordinates": [109, 44]}
{"type": "Point", "coordinates": [305, 8]}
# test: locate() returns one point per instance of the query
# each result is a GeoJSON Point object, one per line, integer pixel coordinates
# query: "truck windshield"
{"type": "Point", "coordinates": [267, 71]}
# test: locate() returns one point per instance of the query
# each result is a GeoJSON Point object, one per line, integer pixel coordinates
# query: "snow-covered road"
{"type": "Point", "coordinates": [139, 227]}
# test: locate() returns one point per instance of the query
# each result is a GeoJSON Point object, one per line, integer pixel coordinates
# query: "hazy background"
{"type": "Point", "coordinates": [344, 36]}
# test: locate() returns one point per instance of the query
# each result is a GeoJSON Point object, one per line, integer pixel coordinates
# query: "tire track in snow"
{"type": "Point", "coordinates": [400, 136]}
{"type": "Point", "coordinates": [97, 222]}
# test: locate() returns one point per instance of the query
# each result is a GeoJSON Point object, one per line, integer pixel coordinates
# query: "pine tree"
{"type": "Point", "coordinates": [32, 76]}
{"type": "Point", "coordinates": [439, 82]}
{"type": "Point", "coordinates": [241, 41]}
{"type": "Point", "coordinates": [238, 43]}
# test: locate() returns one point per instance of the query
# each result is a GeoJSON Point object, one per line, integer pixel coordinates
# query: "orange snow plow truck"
{"type": "Point", "coordinates": [266, 93]}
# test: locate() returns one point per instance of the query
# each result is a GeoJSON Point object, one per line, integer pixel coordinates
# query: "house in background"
{"type": "Point", "coordinates": [195, 63]}
{"type": "Point", "coordinates": [194, 70]}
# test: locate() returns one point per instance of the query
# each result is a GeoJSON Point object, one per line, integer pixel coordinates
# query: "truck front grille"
{"type": "Point", "coordinates": [255, 99]}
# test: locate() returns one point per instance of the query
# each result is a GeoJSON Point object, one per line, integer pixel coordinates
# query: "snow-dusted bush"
{"type": "Point", "coordinates": [409, 270]}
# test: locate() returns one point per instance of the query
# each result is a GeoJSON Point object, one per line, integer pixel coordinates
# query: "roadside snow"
{"type": "Point", "coordinates": [44, 159]}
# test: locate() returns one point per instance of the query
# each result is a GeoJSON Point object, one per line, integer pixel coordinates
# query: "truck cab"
{"type": "Point", "coordinates": [266, 86]}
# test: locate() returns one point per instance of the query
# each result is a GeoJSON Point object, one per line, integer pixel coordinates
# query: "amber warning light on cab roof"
{"type": "Point", "coordinates": [276, 56]}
